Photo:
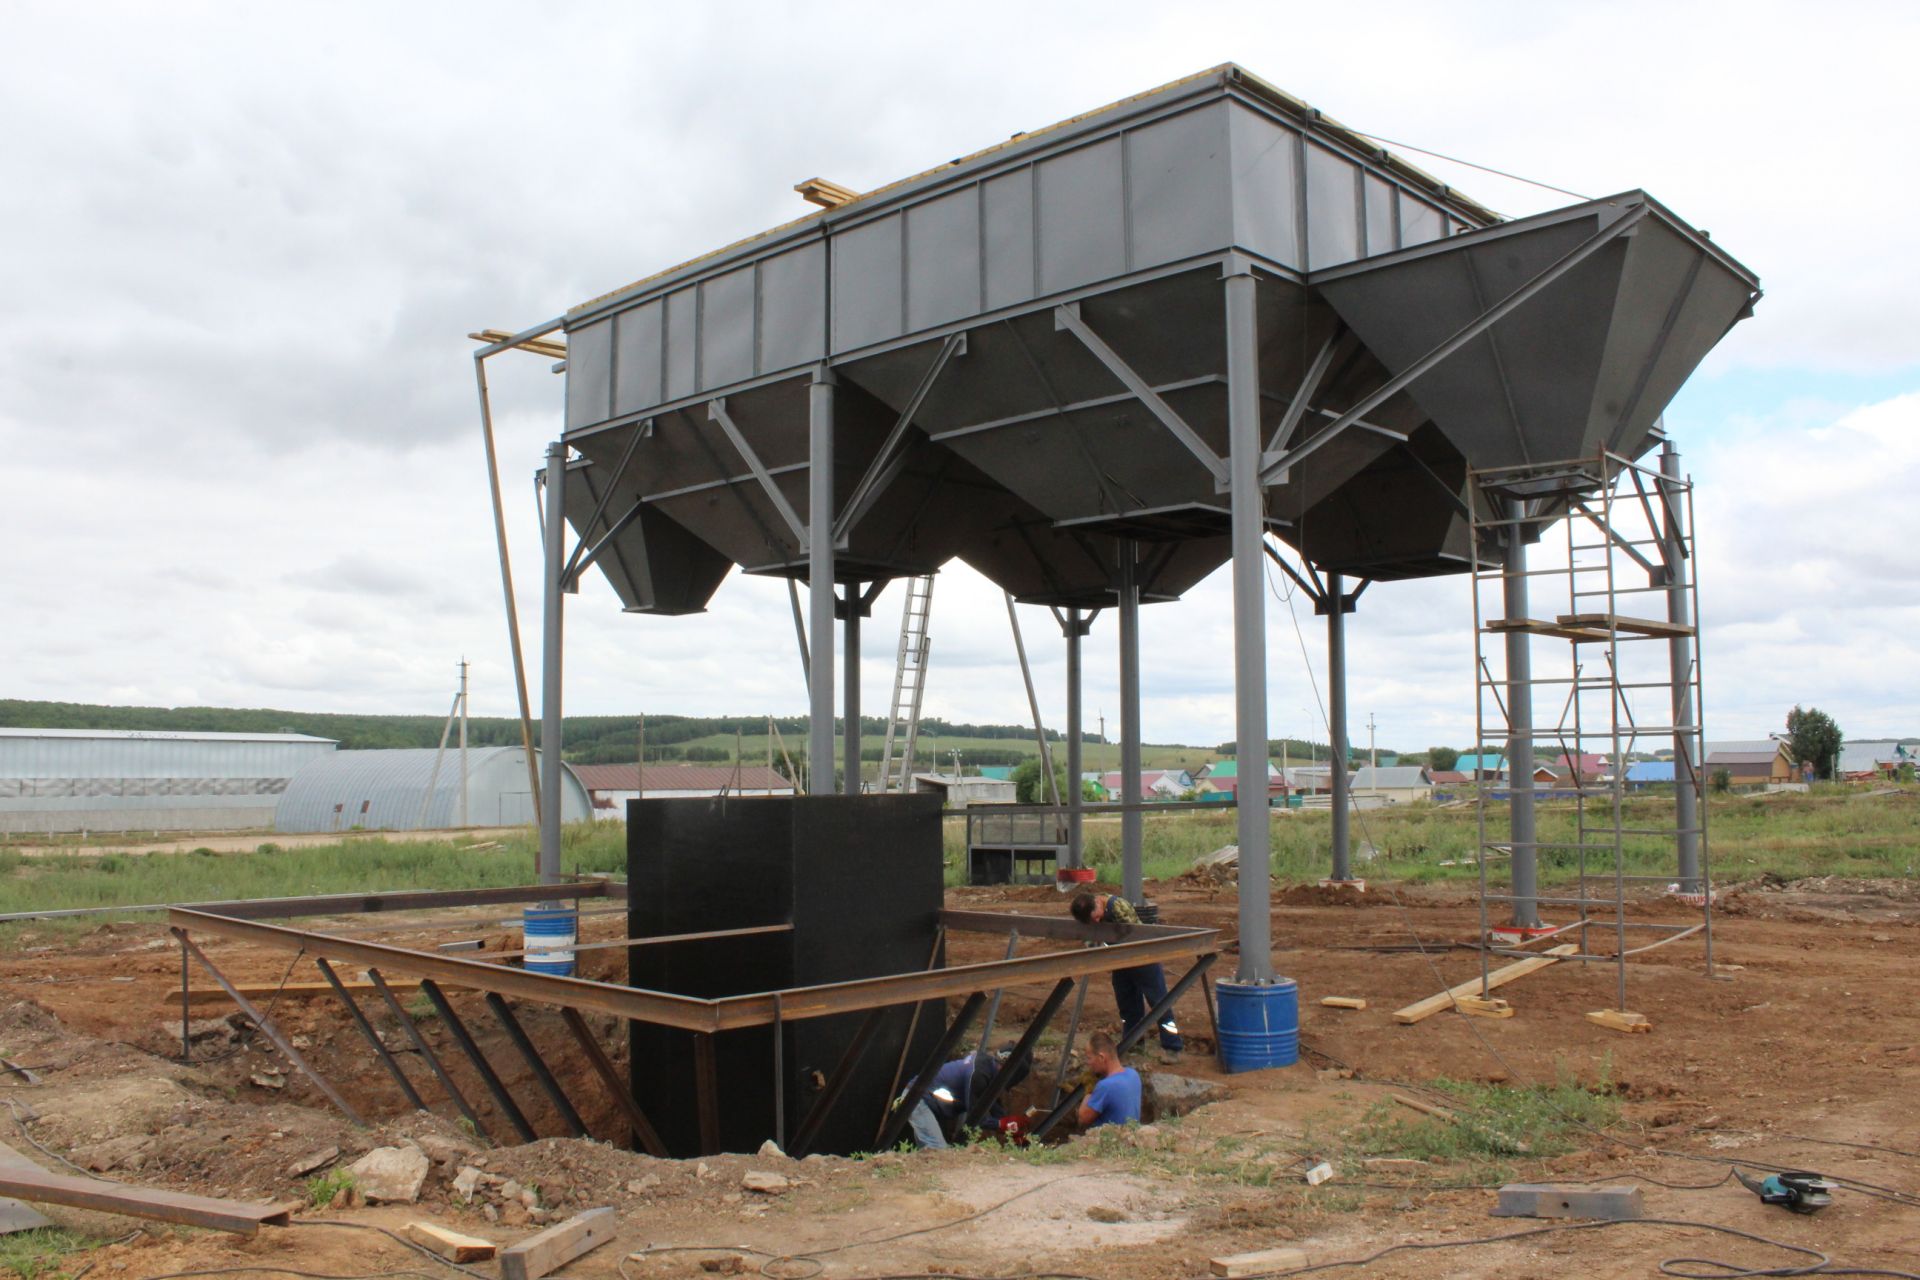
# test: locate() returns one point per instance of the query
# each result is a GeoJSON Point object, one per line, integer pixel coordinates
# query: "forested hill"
{"type": "Point", "coordinates": [589, 739]}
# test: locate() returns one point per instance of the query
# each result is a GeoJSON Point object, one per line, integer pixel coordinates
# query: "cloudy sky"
{"type": "Point", "coordinates": [239, 454]}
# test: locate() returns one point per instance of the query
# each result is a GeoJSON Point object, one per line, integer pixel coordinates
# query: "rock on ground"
{"type": "Point", "coordinates": [390, 1174]}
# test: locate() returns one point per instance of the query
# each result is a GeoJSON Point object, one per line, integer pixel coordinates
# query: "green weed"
{"type": "Point", "coordinates": [322, 1188]}
{"type": "Point", "coordinates": [32, 1255]}
{"type": "Point", "coordinates": [1493, 1122]}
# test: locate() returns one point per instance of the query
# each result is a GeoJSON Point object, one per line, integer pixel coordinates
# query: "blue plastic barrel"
{"type": "Point", "coordinates": [550, 934]}
{"type": "Point", "coordinates": [1259, 1025]}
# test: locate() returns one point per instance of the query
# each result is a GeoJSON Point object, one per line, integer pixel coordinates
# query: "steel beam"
{"type": "Point", "coordinates": [836, 1084]}
{"type": "Point", "coordinates": [425, 1050]}
{"type": "Point", "coordinates": [484, 1069]}
{"type": "Point", "coordinates": [1075, 626]}
{"type": "Point", "coordinates": [1068, 317]}
{"type": "Point", "coordinates": [536, 1064]}
{"type": "Point", "coordinates": [1066, 1046]}
{"type": "Point", "coordinates": [270, 1031]}
{"type": "Point", "coordinates": [1337, 605]}
{"type": "Point", "coordinates": [850, 715]}
{"type": "Point", "coordinates": [949, 1040]}
{"type": "Point", "coordinates": [1249, 627]}
{"type": "Point", "coordinates": [1022, 1050]}
{"type": "Point", "coordinates": [820, 780]}
{"type": "Point", "coordinates": [617, 1090]}
{"type": "Point", "coordinates": [341, 904]}
{"type": "Point", "coordinates": [553, 619]}
{"type": "Point", "coordinates": [1304, 393]}
{"type": "Point", "coordinates": [1686, 752]}
{"type": "Point", "coordinates": [1523, 837]}
{"type": "Point", "coordinates": [372, 1037]}
{"type": "Point", "coordinates": [574, 564]}
{"type": "Point", "coordinates": [1132, 879]}
{"type": "Point", "coordinates": [717, 411]}
{"type": "Point", "coordinates": [886, 462]}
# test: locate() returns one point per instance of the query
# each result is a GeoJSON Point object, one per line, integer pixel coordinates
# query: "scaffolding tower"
{"type": "Point", "coordinates": [909, 686]}
{"type": "Point", "coordinates": [1628, 681]}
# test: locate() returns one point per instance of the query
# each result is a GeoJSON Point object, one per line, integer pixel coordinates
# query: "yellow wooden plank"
{"type": "Point", "coordinates": [1420, 1010]}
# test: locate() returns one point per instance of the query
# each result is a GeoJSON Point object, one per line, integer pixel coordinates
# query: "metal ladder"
{"type": "Point", "coordinates": [909, 685]}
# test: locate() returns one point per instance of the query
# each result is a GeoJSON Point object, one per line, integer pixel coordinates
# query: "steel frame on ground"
{"type": "Point", "coordinates": [1121, 947]}
{"type": "Point", "coordinates": [1612, 500]}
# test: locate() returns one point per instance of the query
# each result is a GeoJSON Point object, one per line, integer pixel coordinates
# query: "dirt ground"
{"type": "Point", "coordinates": [1810, 1044]}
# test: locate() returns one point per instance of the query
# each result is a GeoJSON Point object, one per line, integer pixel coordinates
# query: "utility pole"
{"type": "Point", "coordinates": [1373, 752]}
{"type": "Point", "coordinates": [464, 817]}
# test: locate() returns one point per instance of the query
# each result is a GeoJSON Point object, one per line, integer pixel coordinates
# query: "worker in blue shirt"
{"type": "Point", "coordinates": [1115, 1096]}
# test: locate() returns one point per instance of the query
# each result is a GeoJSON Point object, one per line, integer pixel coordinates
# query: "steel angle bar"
{"type": "Point", "coordinates": [1486, 320]}
{"type": "Point", "coordinates": [1066, 1046]}
{"type": "Point", "coordinates": [464, 1038]}
{"type": "Point", "coordinates": [906, 1044]}
{"type": "Point", "coordinates": [270, 1031]}
{"type": "Point", "coordinates": [1068, 317]}
{"type": "Point", "coordinates": [836, 1084]}
{"type": "Point", "coordinates": [536, 1064]}
{"type": "Point", "coordinates": [656, 1007]}
{"type": "Point", "coordinates": [717, 411]}
{"type": "Point", "coordinates": [616, 1088]}
{"type": "Point", "coordinates": [1061, 928]}
{"type": "Point", "coordinates": [949, 1039]}
{"type": "Point", "coordinates": [425, 1051]}
{"type": "Point", "coordinates": [884, 467]}
{"type": "Point", "coordinates": [380, 1049]}
{"type": "Point", "coordinates": [1022, 1050]}
{"type": "Point", "coordinates": [1304, 393]}
{"type": "Point", "coordinates": [600, 507]}
{"type": "Point", "coordinates": [1274, 467]}
{"type": "Point", "coordinates": [584, 560]}
{"type": "Point", "coordinates": [524, 339]}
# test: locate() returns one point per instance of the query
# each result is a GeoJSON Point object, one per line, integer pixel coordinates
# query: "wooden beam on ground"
{"type": "Point", "coordinates": [141, 1202]}
{"type": "Point", "coordinates": [1620, 1020]}
{"type": "Point", "coordinates": [1259, 1263]}
{"type": "Point", "coordinates": [1420, 1010]}
{"type": "Point", "coordinates": [1425, 1108]}
{"type": "Point", "coordinates": [450, 1245]}
{"type": "Point", "coordinates": [1483, 1007]}
{"type": "Point", "coordinates": [541, 1254]}
{"type": "Point", "coordinates": [1554, 1200]}
{"type": "Point", "coordinates": [1343, 1002]}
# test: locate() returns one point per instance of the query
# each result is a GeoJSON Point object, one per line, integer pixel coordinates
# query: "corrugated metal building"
{"type": "Point", "coordinates": [146, 780]}
{"type": "Point", "coordinates": [399, 790]}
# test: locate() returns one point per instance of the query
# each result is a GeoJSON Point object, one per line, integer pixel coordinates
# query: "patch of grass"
{"type": "Point", "coordinates": [323, 1188]}
{"type": "Point", "coordinates": [1494, 1123]}
{"type": "Point", "coordinates": [36, 1254]}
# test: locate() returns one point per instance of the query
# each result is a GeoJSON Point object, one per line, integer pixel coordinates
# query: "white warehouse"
{"type": "Point", "coordinates": [54, 780]}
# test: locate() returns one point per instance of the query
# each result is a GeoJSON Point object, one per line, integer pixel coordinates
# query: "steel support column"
{"type": "Point", "coordinates": [1076, 628]}
{"type": "Point", "coordinates": [850, 636]}
{"type": "Point", "coordinates": [552, 626]}
{"type": "Point", "coordinates": [1686, 753]}
{"type": "Point", "coordinates": [1522, 834]}
{"type": "Point", "coordinates": [820, 583]}
{"type": "Point", "coordinates": [1132, 880]}
{"type": "Point", "coordinates": [1249, 627]}
{"type": "Point", "coordinates": [1337, 605]}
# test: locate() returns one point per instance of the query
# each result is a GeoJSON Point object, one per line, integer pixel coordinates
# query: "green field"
{"type": "Point", "coordinates": [1836, 830]}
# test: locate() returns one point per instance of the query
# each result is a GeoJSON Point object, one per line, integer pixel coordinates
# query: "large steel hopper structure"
{"type": "Point", "coordinates": [1100, 359]}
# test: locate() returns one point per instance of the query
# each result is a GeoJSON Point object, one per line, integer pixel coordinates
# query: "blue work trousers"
{"type": "Point", "coordinates": [1136, 991]}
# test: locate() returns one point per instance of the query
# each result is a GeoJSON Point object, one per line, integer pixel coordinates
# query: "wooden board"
{"type": "Point", "coordinates": [141, 1202]}
{"type": "Point", "coordinates": [450, 1244]}
{"type": "Point", "coordinates": [1343, 1002]}
{"type": "Point", "coordinates": [1618, 1020]}
{"type": "Point", "coordinates": [1552, 1200]}
{"type": "Point", "coordinates": [1258, 1263]}
{"type": "Point", "coordinates": [1420, 1010]}
{"type": "Point", "coordinates": [555, 1247]}
{"type": "Point", "coordinates": [1424, 1108]}
{"type": "Point", "coordinates": [1603, 622]}
{"type": "Point", "coordinates": [1541, 627]}
{"type": "Point", "coordinates": [1479, 1008]}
